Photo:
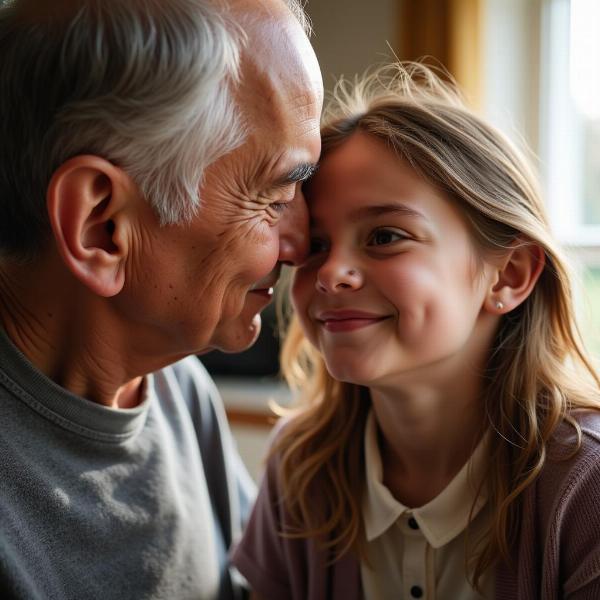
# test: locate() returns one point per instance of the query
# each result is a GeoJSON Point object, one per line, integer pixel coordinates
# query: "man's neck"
{"type": "Point", "coordinates": [68, 333]}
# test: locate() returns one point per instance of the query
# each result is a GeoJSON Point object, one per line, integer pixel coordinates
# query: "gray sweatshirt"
{"type": "Point", "coordinates": [98, 503]}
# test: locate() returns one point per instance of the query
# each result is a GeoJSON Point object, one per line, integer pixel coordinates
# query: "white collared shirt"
{"type": "Point", "coordinates": [420, 552]}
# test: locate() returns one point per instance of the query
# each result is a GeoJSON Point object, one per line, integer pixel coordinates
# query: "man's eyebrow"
{"type": "Point", "coordinates": [299, 173]}
{"type": "Point", "coordinates": [385, 209]}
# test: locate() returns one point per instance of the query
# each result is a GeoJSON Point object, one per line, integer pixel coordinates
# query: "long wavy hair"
{"type": "Point", "coordinates": [537, 372]}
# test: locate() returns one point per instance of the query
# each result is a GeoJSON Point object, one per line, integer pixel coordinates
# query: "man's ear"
{"type": "Point", "coordinates": [88, 200]}
{"type": "Point", "coordinates": [516, 276]}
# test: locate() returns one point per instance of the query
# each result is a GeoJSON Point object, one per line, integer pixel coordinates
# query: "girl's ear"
{"type": "Point", "coordinates": [516, 277]}
{"type": "Point", "coordinates": [87, 202]}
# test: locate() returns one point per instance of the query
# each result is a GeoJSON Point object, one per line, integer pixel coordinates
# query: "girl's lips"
{"type": "Point", "coordinates": [347, 320]}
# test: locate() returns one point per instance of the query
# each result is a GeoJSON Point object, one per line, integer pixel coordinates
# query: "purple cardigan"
{"type": "Point", "coordinates": [557, 553]}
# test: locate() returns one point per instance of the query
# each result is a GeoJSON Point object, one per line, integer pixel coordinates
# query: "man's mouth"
{"type": "Point", "coordinates": [267, 292]}
{"type": "Point", "coordinates": [265, 286]}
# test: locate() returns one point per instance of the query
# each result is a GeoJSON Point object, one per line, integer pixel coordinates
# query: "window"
{"type": "Point", "coordinates": [570, 141]}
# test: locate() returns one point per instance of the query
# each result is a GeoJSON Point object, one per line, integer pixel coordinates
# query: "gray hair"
{"type": "Point", "coordinates": [297, 9]}
{"type": "Point", "coordinates": [144, 84]}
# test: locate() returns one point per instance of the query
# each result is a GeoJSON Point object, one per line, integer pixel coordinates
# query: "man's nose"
{"type": "Point", "coordinates": [293, 232]}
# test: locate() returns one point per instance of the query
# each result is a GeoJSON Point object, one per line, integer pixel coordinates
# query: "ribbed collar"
{"type": "Point", "coordinates": [441, 519]}
{"type": "Point", "coordinates": [74, 413]}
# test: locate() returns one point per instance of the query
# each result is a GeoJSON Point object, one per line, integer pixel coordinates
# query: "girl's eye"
{"type": "Point", "coordinates": [382, 237]}
{"type": "Point", "coordinates": [317, 245]}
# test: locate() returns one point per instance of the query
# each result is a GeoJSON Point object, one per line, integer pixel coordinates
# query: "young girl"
{"type": "Point", "coordinates": [447, 442]}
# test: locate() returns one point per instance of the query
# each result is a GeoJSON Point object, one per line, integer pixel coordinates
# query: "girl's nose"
{"type": "Point", "coordinates": [334, 277]}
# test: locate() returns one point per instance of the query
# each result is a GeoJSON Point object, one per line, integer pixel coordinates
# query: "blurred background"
{"type": "Point", "coordinates": [532, 67]}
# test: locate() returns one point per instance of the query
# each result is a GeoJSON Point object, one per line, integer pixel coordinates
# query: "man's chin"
{"type": "Point", "coordinates": [238, 338]}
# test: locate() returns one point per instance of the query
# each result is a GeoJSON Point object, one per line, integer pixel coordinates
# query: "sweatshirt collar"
{"type": "Point", "coordinates": [65, 409]}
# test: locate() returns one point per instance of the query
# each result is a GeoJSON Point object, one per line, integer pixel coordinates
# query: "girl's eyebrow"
{"type": "Point", "coordinates": [365, 212]}
{"type": "Point", "coordinates": [385, 209]}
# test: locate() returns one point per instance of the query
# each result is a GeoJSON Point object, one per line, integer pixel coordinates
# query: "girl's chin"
{"type": "Point", "coordinates": [347, 374]}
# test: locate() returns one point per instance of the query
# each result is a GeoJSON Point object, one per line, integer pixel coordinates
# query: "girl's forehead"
{"type": "Point", "coordinates": [363, 172]}
{"type": "Point", "coordinates": [362, 160]}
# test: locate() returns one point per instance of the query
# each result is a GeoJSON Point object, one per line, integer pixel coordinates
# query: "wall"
{"type": "Point", "coordinates": [350, 35]}
{"type": "Point", "coordinates": [511, 66]}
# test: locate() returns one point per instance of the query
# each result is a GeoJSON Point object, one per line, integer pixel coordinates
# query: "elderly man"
{"type": "Point", "coordinates": [150, 160]}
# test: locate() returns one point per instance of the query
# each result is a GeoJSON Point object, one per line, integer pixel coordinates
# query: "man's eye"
{"type": "Point", "coordinates": [276, 209]}
{"type": "Point", "coordinates": [382, 237]}
{"type": "Point", "coordinates": [279, 206]}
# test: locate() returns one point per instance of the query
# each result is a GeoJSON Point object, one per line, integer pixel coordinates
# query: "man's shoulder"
{"type": "Point", "coordinates": [186, 385]}
{"type": "Point", "coordinates": [188, 378]}
{"type": "Point", "coordinates": [189, 369]}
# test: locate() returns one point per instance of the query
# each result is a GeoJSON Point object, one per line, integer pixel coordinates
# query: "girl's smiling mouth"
{"type": "Point", "coordinates": [347, 320]}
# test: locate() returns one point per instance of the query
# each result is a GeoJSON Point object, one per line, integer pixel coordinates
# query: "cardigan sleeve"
{"type": "Point", "coordinates": [578, 524]}
{"type": "Point", "coordinates": [277, 566]}
{"type": "Point", "coordinates": [572, 549]}
{"type": "Point", "coordinates": [261, 555]}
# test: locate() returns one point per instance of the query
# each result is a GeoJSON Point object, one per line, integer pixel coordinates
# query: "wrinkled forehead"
{"type": "Point", "coordinates": [279, 70]}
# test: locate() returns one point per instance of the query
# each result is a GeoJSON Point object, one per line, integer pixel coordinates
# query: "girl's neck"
{"type": "Point", "coordinates": [427, 433]}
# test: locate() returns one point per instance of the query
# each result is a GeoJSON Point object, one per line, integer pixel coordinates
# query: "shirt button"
{"type": "Point", "coordinates": [412, 523]}
{"type": "Point", "coordinates": [416, 591]}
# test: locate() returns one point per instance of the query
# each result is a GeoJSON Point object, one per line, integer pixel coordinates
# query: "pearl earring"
{"type": "Point", "coordinates": [499, 305]}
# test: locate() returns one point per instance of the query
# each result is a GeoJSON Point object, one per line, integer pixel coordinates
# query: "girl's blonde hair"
{"type": "Point", "coordinates": [537, 372]}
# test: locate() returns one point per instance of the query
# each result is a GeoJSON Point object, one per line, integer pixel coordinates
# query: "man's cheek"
{"type": "Point", "coordinates": [259, 249]}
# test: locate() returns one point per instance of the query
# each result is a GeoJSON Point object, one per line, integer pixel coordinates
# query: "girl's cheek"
{"type": "Point", "coordinates": [302, 293]}
{"type": "Point", "coordinates": [303, 285]}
